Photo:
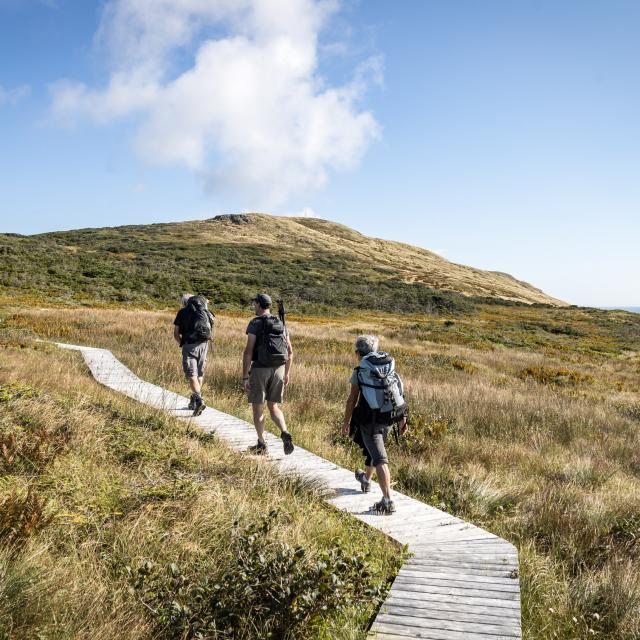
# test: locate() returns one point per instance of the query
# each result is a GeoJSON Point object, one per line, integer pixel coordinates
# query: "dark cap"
{"type": "Point", "coordinates": [263, 300]}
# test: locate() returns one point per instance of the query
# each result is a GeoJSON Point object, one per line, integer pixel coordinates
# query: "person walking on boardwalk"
{"type": "Point", "coordinates": [375, 403]}
{"type": "Point", "coordinates": [192, 330]}
{"type": "Point", "coordinates": [266, 366]}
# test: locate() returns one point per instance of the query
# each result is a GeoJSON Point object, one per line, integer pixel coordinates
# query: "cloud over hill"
{"type": "Point", "coordinates": [230, 89]}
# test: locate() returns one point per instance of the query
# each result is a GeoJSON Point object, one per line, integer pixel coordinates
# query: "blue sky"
{"type": "Point", "coordinates": [500, 134]}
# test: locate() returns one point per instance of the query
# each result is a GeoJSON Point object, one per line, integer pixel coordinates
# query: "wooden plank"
{"type": "Point", "coordinates": [460, 577]}
{"type": "Point", "coordinates": [426, 622]}
{"type": "Point", "coordinates": [406, 631]}
{"type": "Point", "coordinates": [454, 608]}
{"type": "Point", "coordinates": [407, 592]}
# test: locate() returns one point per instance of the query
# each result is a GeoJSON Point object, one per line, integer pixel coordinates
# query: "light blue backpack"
{"type": "Point", "coordinates": [381, 386]}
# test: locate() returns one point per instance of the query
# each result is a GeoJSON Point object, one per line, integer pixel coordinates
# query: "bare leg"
{"type": "Point", "coordinates": [277, 416]}
{"type": "Point", "coordinates": [258, 420]}
{"type": "Point", "coordinates": [384, 479]}
{"type": "Point", "coordinates": [369, 472]}
{"type": "Point", "coordinates": [194, 383]}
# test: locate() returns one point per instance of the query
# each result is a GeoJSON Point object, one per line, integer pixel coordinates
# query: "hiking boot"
{"type": "Point", "coordinates": [199, 406]}
{"type": "Point", "coordinates": [192, 403]}
{"type": "Point", "coordinates": [287, 441]}
{"type": "Point", "coordinates": [385, 507]}
{"type": "Point", "coordinates": [259, 449]}
{"type": "Point", "coordinates": [365, 483]}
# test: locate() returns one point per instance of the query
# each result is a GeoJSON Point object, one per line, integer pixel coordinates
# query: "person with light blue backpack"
{"type": "Point", "coordinates": [375, 404]}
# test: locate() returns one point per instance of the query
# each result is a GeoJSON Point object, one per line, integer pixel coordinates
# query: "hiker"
{"type": "Point", "coordinates": [266, 365]}
{"type": "Point", "coordinates": [375, 403]}
{"type": "Point", "coordinates": [193, 328]}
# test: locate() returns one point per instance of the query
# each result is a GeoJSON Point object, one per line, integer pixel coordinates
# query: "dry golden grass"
{"type": "Point", "coordinates": [93, 485]}
{"type": "Point", "coordinates": [531, 433]}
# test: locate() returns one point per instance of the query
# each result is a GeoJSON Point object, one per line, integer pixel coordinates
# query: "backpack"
{"type": "Point", "coordinates": [271, 343]}
{"type": "Point", "coordinates": [381, 388]}
{"type": "Point", "coordinates": [198, 327]}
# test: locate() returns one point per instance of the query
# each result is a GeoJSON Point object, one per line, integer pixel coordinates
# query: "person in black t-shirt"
{"type": "Point", "coordinates": [266, 382]}
{"type": "Point", "coordinates": [194, 353]}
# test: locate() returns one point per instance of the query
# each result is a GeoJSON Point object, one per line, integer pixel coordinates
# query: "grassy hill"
{"type": "Point", "coordinates": [313, 263]}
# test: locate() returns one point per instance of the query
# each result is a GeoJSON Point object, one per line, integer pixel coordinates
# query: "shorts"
{"type": "Point", "coordinates": [266, 383]}
{"type": "Point", "coordinates": [371, 440]}
{"type": "Point", "coordinates": [194, 359]}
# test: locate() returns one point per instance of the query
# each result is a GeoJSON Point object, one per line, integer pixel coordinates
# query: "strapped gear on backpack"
{"type": "Point", "coordinates": [198, 325]}
{"type": "Point", "coordinates": [271, 343]}
{"type": "Point", "coordinates": [382, 388]}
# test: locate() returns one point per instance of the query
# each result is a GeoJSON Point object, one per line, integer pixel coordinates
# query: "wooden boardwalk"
{"type": "Point", "coordinates": [461, 582]}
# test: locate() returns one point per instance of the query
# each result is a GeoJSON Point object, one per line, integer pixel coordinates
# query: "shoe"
{"type": "Point", "coordinates": [192, 403]}
{"type": "Point", "coordinates": [365, 483]}
{"type": "Point", "coordinates": [287, 441]}
{"type": "Point", "coordinates": [385, 507]}
{"type": "Point", "coordinates": [259, 449]}
{"type": "Point", "coordinates": [199, 407]}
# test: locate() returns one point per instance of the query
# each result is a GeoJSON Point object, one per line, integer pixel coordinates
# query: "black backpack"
{"type": "Point", "coordinates": [271, 343]}
{"type": "Point", "coordinates": [197, 323]}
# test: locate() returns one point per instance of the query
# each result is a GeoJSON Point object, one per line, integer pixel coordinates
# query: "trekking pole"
{"type": "Point", "coordinates": [281, 312]}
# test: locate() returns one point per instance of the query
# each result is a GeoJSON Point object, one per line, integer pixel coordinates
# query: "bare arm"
{"type": "Point", "coordinates": [349, 407]}
{"type": "Point", "coordinates": [247, 355]}
{"type": "Point", "coordinates": [176, 333]}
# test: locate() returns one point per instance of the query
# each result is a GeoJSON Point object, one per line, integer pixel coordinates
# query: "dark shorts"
{"type": "Point", "coordinates": [371, 440]}
{"type": "Point", "coordinates": [194, 359]}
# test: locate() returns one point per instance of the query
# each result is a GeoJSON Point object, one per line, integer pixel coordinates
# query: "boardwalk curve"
{"type": "Point", "coordinates": [461, 582]}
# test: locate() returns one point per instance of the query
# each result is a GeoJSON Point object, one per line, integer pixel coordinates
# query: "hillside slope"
{"type": "Point", "coordinates": [308, 260]}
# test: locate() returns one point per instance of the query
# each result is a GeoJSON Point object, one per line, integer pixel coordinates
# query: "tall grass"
{"type": "Point", "coordinates": [116, 521]}
{"type": "Point", "coordinates": [525, 422]}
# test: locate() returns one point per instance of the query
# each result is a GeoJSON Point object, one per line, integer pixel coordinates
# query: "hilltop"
{"type": "Point", "coordinates": [308, 260]}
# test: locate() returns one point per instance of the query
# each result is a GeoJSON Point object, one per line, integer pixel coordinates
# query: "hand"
{"type": "Point", "coordinates": [404, 426]}
{"type": "Point", "coordinates": [345, 429]}
{"type": "Point", "coordinates": [286, 378]}
{"type": "Point", "coordinates": [246, 385]}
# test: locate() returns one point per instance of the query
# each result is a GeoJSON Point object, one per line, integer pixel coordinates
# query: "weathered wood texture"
{"type": "Point", "coordinates": [461, 582]}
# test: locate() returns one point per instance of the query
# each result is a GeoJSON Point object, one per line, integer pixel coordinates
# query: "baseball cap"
{"type": "Point", "coordinates": [263, 300]}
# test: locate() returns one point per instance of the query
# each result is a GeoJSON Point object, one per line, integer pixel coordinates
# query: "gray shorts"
{"type": "Point", "coordinates": [194, 359]}
{"type": "Point", "coordinates": [373, 438]}
{"type": "Point", "coordinates": [266, 383]}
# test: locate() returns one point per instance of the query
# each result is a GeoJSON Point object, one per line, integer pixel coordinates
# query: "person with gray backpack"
{"type": "Point", "coordinates": [375, 404]}
{"type": "Point", "coordinates": [192, 330]}
{"type": "Point", "coordinates": [266, 364]}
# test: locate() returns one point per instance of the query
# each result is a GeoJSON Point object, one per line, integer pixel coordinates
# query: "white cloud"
{"type": "Point", "coordinates": [15, 95]}
{"type": "Point", "coordinates": [308, 212]}
{"type": "Point", "coordinates": [249, 113]}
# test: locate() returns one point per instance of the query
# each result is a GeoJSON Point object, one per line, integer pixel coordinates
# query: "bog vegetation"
{"type": "Point", "coordinates": [526, 422]}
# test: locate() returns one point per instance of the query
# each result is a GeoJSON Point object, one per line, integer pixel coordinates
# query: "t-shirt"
{"type": "Point", "coordinates": [254, 328]}
{"type": "Point", "coordinates": [180, 323]}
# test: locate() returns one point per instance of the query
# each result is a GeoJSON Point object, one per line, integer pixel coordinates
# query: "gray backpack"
{"type": "Point", "coordinates": [382, 387]}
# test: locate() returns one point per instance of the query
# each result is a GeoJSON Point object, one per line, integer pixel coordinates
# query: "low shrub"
{"type": "Point", "coordinates": [551, 375]}
{"type": "Point", "coordinates": [21, 516]}
{"type": "Point", "coordinates": [272, 590]}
